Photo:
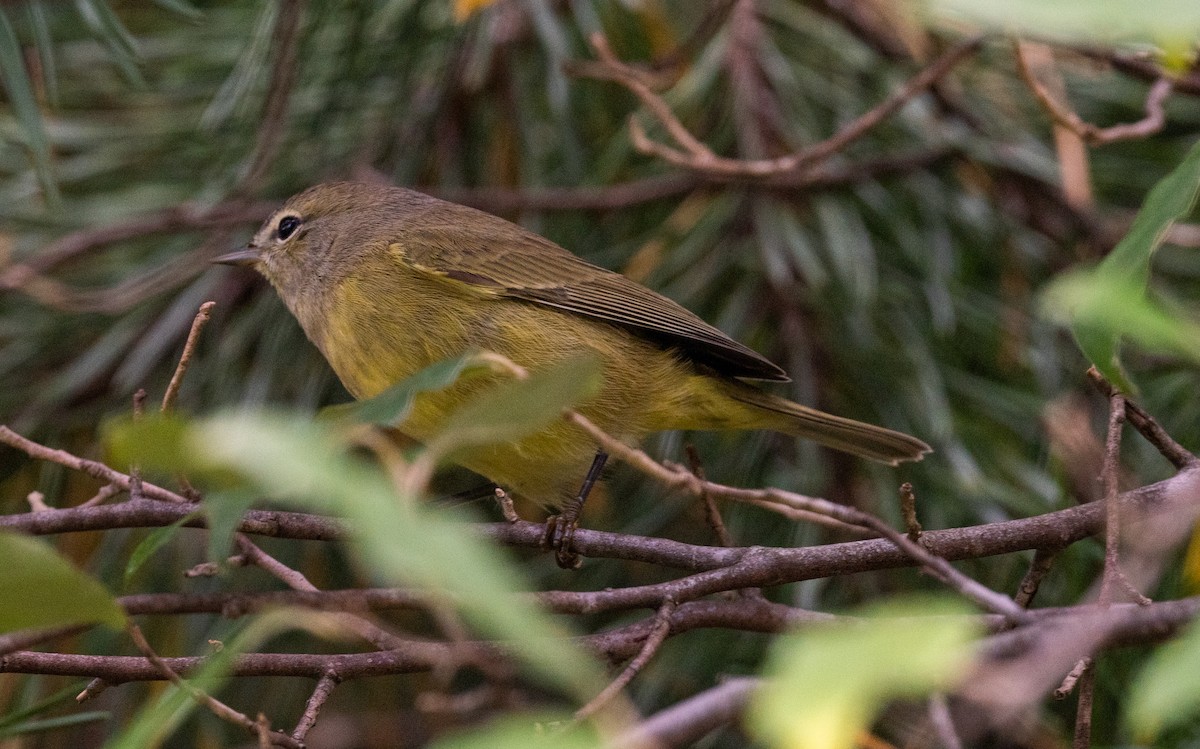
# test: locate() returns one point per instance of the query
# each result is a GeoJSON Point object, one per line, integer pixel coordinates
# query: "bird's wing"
{"type": "Point", "coordinates": [502, 258]}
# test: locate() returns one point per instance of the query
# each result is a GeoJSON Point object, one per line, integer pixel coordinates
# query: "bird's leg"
{"type": "Point", "coordinates": [560, 529]}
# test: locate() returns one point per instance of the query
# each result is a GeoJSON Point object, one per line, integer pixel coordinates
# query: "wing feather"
{"type": "Point", "coordinates": [499, 257]}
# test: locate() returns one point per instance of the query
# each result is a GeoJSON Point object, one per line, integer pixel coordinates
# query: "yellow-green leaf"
{"type": "Point", "coordinates": [39, 588]}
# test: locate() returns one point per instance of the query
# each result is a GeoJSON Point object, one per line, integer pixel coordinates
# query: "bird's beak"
{"type": "Point", "coordinates": [245, 256]}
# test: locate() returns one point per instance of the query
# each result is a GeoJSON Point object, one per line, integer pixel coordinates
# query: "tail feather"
{"type": "Point", "coordinates": [854, 437]}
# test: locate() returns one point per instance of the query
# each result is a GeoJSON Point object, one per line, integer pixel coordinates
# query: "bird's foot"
{"type": "Point", "coordinates": [560, 537]}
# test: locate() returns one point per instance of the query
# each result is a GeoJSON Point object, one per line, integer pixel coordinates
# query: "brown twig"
{"type": "Point", "coordinates": [1065, 116]}
{"type": "Point", "coordinates": [908, 509]}
{"type": "Point", "coordinates": [654, 640]}
{"type": "Point", "coordinates": [1109, 477]}
{"type": "Point", "coordinates": [943, 721]}
{"type": "Point", "coordinates": [92, 468]}
{"type": "Point", "coordinates": [711, 513]}
{"type": "Point", "coordinates": [690, 153]}
{"type": "Point", "coordinates": [205, 700]}
{"type": "Point", "coordinates": [185, 358]}
{"type": "Point", "coordinates": [93, 689]}
{"type": "Point", "coordinates": [325, 686]}
{"type": "Point", "coordinates": [1082, 738]}
{"type": "Point", "coordinates": [1043, 559]}
{"type": "Point", "coordinates": [681, 479]}
{"type": "Point", "coordinates": [686, 722]}
{"type": "Point", "coordinates": [1147, 426]}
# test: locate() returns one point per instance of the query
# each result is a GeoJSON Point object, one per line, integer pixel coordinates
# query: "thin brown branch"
{"type": "Point", "coordinates": [1071, 680]}
{"type": "Point", "coordinates": [1109, 478]}
{"type": "Point", "coordinates": [185, 358]}
{"type": "Point", "coordinates": [325, 686]}
{"type": "Point", "coordinates": [1082, 737]}
{"type": "Point", "coordinates": [943, 721]}
{"type": "Point", "coordinates": [92, 468]}
{"type": "Point", "coordinates": [654, 640]}
{"type": "Point", "coordinates": [908, 509]}
{"type": "Point", "coordinates": [681, 479]}
{"type": "Point", "coordinates": [690, 153]}
{"type": "Point", "coordinates": [1043, 560]}
{"type": "Point", "coordinates": [722, 569]}
{"type": "Point", "coordinates": [686, 722]}
{"type": "Point", "coordinates": [1063, 115]}
{"type": "Point", "coordinates": [1147, 426]}
{"type": "Point", "coordinates": [711, 513]}
{"type": "Point", "coordinates": [205, 700]}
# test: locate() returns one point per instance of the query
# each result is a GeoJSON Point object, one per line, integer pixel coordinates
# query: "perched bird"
{"type": "Point", "coordinates": [387, 281]}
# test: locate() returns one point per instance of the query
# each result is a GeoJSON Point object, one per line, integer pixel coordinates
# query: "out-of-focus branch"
{"type": "Point", "coordinates": [1062, 114]}
{"type": "Point", "coordinates": [690, 153]}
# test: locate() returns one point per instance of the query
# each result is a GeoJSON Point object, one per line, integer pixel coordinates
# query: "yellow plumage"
{"type": "Point", "coordinates": [386, 281]}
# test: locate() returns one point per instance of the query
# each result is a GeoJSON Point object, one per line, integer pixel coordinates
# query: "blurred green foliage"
{"type": "Point", "coordinates": [901, 295]}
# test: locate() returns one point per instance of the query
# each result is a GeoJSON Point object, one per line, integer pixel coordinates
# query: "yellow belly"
{"type": "Point", "coordinates": [373, 346]}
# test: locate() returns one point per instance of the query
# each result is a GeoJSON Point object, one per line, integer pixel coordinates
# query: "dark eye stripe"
{"type": "Point", "coordinates": [287, 226]}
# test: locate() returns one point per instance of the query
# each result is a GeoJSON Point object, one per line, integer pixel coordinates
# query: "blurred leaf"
{"type": "Point", "coordinates": [40, 26]}
{"type": "Point", "coordinates": [225, 509]}
{"type": "Point", "coordinates": [154, 541]}
{"type": "Point", "coordinates": [25, 108]}
{"type": "Point", "coordinates": [182, 7]}
{"type": "Point", "coordinates": [1167, 690]}
{"type": "Point", "coordinates": [64, 696]}
{"type": "Point", "coordinates": [525, 732]}
{"type": "Point", "coordinates": [828, 683]}
{"type": "Point", "coordinates": [1108, 303]}
{"type": "Point", "coordinates": [295, 460]}
{"type": "Point", "coordinates": [1172, 24]}
{"type": "Point", "coordinates": [515, 408]}
{"type": "Point", "coordinates": [108, 29]}
{"type": "Point", "coordinates": [392, 406]}
{"type": "Point", "coordinates": [53, 724]}
{"type": "Point", "coordinates": [39, 588]}
{"type": "Point", "coordinates": [152, 442]}
{"type": "Point", "coordinates": [401, 541]}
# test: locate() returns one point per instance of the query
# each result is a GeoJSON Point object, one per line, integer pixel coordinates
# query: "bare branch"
{"type": "Point", "coordinates": [205, 700]}
{"type": "Point", "coordinates": [1063, 115]}
{"type": "Point", "coordinates": [186, 357]}
{"type": "Point", "coordinates": [690, 153]}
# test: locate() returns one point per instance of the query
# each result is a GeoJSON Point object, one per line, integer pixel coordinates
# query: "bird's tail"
{"type": "Point", "coordinates": [854, 437]}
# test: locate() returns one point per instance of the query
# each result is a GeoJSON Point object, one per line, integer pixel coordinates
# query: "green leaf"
{"type": "Point", "coordinates": [1172, 24]}
{"type": "Point", "coordinates": [64, 696]}
{"type": "Point", "coordinates": [156, 539]}
{"type": "Point", "coordinates": [39, 588]}
{"type": "Point", "coordinates": [24, 105]}
{"type": "Point", "coordinates": [107, 28]}
{"type": "Point", "coordinates": [1109, 303]}
{"type": "Point", "coordinates": [392, 406]}
{"type": "Point", "coordinates": [1167, 691]}
{"type": "Point", "coordinates": [519, 407]}
{"type": "Point", "coordinates": [827, 684]}
{"type": "Point", "coordinates": [154, 441]}
{"type": "Point", "coordinates": [54, 724]}
{"type": "Point", "coordinates": [225, 510]}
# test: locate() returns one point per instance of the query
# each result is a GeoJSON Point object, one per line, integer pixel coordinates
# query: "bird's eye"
{"type": "Point", "coordinates": [288, 226]}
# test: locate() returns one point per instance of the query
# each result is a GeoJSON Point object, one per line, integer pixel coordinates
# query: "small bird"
{"type": "Point", "coordinates": [386, 281]}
